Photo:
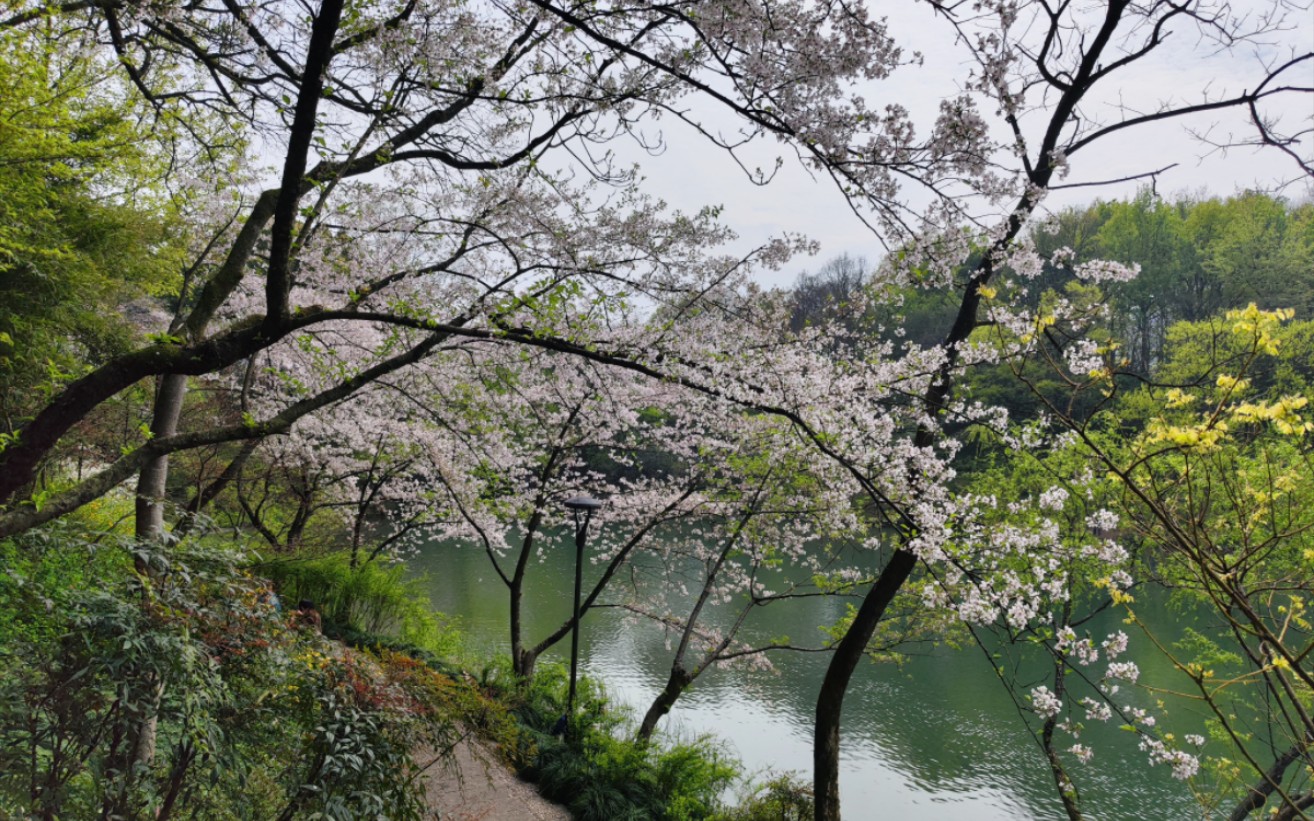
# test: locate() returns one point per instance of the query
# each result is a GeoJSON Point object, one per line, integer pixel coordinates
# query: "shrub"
{"type": "Point", "coordinates": [596, 770]}
{"type": "Point", "coordinates": [785, 797]}
{"type": "Point", "coordinates": [365, 602]}
{"type": "Point", "coordinates": [105, 646]}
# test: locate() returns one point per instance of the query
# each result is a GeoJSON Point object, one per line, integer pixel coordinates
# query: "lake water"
{"type": "Point", "coordinates": [937, 738]}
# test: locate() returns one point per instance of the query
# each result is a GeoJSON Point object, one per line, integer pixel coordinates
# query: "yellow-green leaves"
{"type": "Point", "coordinates": [1204, 417]}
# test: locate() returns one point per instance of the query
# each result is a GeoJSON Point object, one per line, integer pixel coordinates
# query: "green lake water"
{"type": "Point", "coordinates": [937, 738]}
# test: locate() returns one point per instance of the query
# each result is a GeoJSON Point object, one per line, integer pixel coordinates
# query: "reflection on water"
{"type": "Point", "coordinates": [938, 738]}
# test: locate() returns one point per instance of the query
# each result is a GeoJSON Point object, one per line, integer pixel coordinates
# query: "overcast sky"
{"type": "Point", "coordinates": [689, 174]}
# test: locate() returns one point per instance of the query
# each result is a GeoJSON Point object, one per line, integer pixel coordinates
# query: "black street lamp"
{"type": "Point", "coordinates": [578, 505]}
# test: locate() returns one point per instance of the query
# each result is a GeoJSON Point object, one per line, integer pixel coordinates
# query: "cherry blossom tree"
{"type": "Point", "coordinates": [1044, 67]}
{"type": "Point", "coordinates": [520, 432]}
{"type": "Point", "coordinates": [766, 515]}
{"type": "Point", "coordinates": [445, 179]}
{"type": "Point", "coordinates": [1044, 538]}
{"type": "Point", "coordinates": [372, 484]}
{"type": "Point", "coordinates": [471, 143]}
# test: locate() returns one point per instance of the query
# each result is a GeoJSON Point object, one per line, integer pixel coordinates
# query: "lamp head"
{"type": "Point", "coordinates": [585, 503]}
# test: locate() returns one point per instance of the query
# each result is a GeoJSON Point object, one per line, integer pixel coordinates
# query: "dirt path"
{"type": "Point", "coordinates": [476, 786]}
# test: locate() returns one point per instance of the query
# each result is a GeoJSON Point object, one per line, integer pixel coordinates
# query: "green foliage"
{"type": "Point", "coordinates": [372, 598]}
{"type": "Point", "coordinates": [785, 797]}
{"type": "Point", "coordinates": [1206, 654]}
{"type": "Point", "coordinates": [255, 719]}
{"type": "Point", "coordinates": [1197, 353]}
{"type": "Point", "coordinates": [1210, 467]}
{"type": "Point", "coordinates": [1198, 258]}
{"type": "Point", "coordinates": [83, 227]}
{"type": "Point", "coordinates": [595, 769]}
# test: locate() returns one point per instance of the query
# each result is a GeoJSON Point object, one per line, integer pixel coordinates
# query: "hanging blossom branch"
{"type": "Point", "coordinates": [124, 467]}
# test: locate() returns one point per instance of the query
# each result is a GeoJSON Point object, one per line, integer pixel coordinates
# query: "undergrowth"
{"type": "Point", "coordinates": [599, 773]}
{"type": "Point", "coordinates": [375, 601]}
{"type": "Point", "coordinates": [105, 642]}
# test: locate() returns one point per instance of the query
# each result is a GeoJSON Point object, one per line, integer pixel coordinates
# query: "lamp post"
{"type": "Point", "coordinates": [582, 507]}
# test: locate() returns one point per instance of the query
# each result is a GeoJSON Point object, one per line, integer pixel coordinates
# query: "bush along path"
{"type": "Point", "coordinates": [471, 776]}
{"type": "Point", "coordinates": [594, 771]}
{"type": "Point", "coordinates": [257, 714]}
{"type": "Point", "coordinates": [262, 715]}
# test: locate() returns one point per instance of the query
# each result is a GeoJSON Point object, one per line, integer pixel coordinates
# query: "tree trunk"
{"type": "Point", "coordinates": [680, 676]}
{"type": "Point", "coordinates": [1259, 794]}
{"type": "Point", "coordinates": [830, 700]}
{"type": "Point", "coordinates": [151, 484]}
{"type": "Point", "coordinates": [522, 658]}
{"type": "Point", "coordinates": [661, 705]}
{"type": "Point", "coordinates": [524, 662]}
{"type": "Point", "coordinates": [186, 754]}
{"type": "Point", "coordinates": [1295, 808]}
{"type": "Point", "coordinates": [1062, 782]}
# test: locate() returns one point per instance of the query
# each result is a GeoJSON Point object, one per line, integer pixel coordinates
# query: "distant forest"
{"type": "Point", "coordinates": [1198, 258]}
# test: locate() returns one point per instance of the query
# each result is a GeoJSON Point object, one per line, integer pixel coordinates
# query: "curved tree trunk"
{"type": "Point", "coordinates": [1066, 789]}
{"type": "Point", "coordinates": [661, 705]}
{"type": "Point", "coordinates": [681, 677]}
{"type": "Point", "coordinates": [830, 699]}
{"type": "Point", "coordinates": [1295, 808]}
{"type": "Point", "coordinates": [1259, 794]}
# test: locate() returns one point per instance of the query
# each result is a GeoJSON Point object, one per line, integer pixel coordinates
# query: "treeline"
{"type": "Point", "coordinates": [1198, 257]}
